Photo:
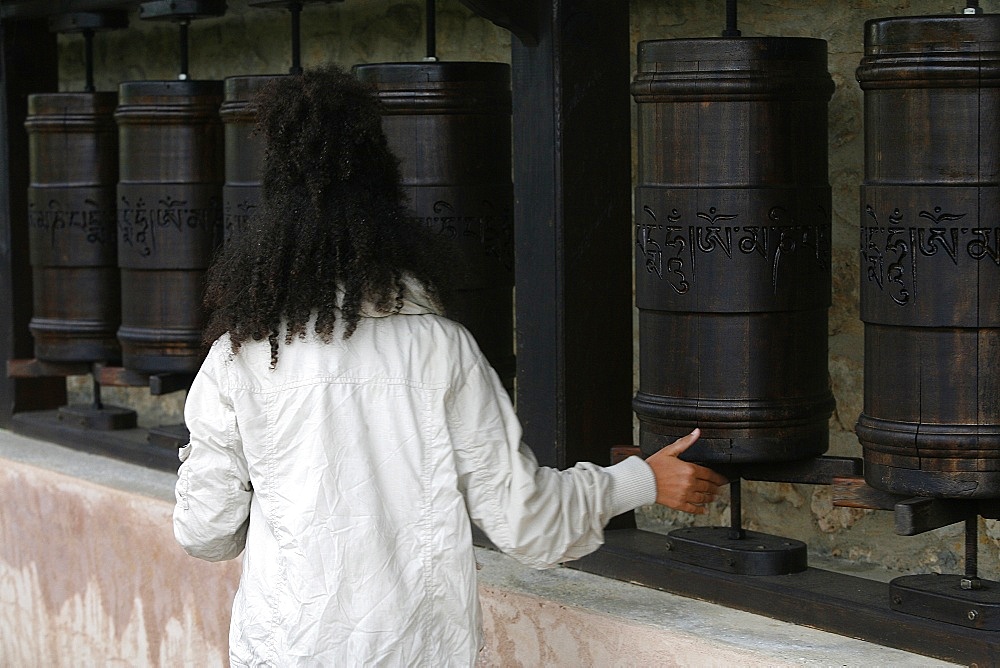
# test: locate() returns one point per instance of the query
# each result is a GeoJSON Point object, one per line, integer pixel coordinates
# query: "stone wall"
{"type": "Point", "coordinates": [250, 40]}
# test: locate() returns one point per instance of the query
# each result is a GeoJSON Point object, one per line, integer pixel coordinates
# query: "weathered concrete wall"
{"type": "Point", "coordinates": [250, 40]}
{"type": "Point", "coordinates": [90, 575]}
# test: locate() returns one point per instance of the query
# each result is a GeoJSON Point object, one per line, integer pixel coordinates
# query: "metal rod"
{"type": "Point", "coordinates": [431, 29]}
{"type": "Point", "coordinates": [296, 9]}
{"type": "Point", "coordinates": [972, 547]}
{"type": "Point", "coordinates": [88, 59]}
{"type": "Point", "coordinates": [96, 403]}
{"type": "Point", "coordinates": [731, 29]}
{"type": "Point", "coordinates": [736, 510]}
{"type": "Point", "coordinates": [184, 50]}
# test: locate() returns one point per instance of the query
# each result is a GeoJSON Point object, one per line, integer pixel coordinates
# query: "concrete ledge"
{"type": "Point", "coordinates": [565, 617]}
{"type": "Point", "coordinates": [90, 575]}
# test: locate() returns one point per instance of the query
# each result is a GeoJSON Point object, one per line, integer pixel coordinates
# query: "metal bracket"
{"type": "Point", "coordinates": [945, 599]}
{"type": "Point", "coordinates": [741, 553]}
{"type": "Point", "coordinates": [286, 4]}
{"type": "Point", "coordinates": [181, 10]}
{"type": "Point", "coordinates": [81, 22]}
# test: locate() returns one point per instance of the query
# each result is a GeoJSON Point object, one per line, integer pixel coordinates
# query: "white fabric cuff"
{"type": "Point", "coordinates": [632, 485]}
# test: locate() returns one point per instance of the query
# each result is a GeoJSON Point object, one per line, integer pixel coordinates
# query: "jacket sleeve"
{"type": "Point", "coordinates": [213, 487]}
{"type": "Point", "coordinates": [540, 516]}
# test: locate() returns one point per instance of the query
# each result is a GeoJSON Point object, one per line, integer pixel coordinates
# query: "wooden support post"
{"type": "Point", "coordinates": [28, 64]}
{"type": "Point", "coordinates": [573, 230]}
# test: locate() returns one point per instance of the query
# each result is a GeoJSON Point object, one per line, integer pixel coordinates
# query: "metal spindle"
{"type": "Point", "coordinates": [971, 579]}
{"type": "Point", "coordinates": [431, 29]}
{"type": "Point", "coordinates": [296, 9]}
{"type": "Point", "coordinates": [184, 51]}
{"type": "Point", "coordinates": [97, 403]}
{"type": "Point", "coordinates": [736, 531]}
{"type": "Point", "coordinates": [731, 29]}
{"type": "Point", "coordinates": [88, 57]}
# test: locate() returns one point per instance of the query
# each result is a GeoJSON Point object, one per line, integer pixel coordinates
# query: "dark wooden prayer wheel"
{"type": "Point", "coordinates": [930, 255]}
{"type": "Point", "coordinates": [449, 124]}
{"type": "Point", "coordinates": [244, 151]}
{"type": "Point", "coordinates": [73, 155]}
{"type": "Point", "coordinates": [732, 247]}
{"type": "Point", "coordinates": [169, 218]}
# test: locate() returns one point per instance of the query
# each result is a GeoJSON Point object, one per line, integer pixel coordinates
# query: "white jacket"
{"type": "Point", "coordinates": [350, 473]}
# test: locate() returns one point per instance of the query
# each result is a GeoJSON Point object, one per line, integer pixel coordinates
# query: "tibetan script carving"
{"type": "Point", "coordinates": [94, 221]}
{"type": "Point", "coordinates": [891, 251]}
{"type": "Point", "coordinates": [138, 223]}
{"type": "Point", "coordinates": [670, 249]}
{"type": "Point", "coordinates": [235, 222]}
{"type": "Point", "coordinates": [493, 230]}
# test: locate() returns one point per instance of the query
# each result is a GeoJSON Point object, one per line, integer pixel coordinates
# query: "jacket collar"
{"type": "Point", "coordinates": [417, 300]}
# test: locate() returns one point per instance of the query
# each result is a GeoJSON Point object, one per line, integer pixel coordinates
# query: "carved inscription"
{"type": "Point", "coordinates": [138, 223]}
{"type": "Point", "coordinates": [891, 250]}
{"type": "Point", "coordinates": [671, 245]}
{"type": "Point", "coordinates": [235, 219]}
{"type": "Point", "coordinates": [492, 230]}
{"type": "Point", "coordinates": [49, 220]}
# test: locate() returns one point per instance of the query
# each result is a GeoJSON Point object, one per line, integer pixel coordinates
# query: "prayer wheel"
{"type": "Point", "coordinates": [73, 156]}
{"type": "Point", "coordinates": [244, 152]}
{"type": "Point", "coordinates": [930, 255]}
{"type": "Point", "coordinates": [732, 247]}
{"type": "Point", "coordinates": [449, 124]}
{"type": "Point", "coordinates": [169, 218]}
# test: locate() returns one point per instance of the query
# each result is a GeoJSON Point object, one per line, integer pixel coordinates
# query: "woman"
{"type": "Point", "coordinates": [346, 434]}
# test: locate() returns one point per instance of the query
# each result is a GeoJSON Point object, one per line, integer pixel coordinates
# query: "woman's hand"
{"type": "Point", "coordinates": [682, 485]}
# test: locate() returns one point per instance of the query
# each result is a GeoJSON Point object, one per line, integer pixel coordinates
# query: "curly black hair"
{"type": "Point", "coordinates": [332, 218]}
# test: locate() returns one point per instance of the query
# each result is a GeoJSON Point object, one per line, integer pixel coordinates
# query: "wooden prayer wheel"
{"type": "Point", "coordinates": [930, 255]}
{"type": "Point", "coordinates": [73, 155]}
{"type": "Point", "coordinates": [732, 247]}
{"type": "Point", "coordinates": [449, 124]}
{"type": "Point", "coordinates": [169, 218]}
{"type": "Point", "coordinates": [244, 151]}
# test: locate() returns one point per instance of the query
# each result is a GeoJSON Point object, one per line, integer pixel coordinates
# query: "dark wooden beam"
{"type": "Point", "coordinates": [520, 17]}
{"type": "Point", "coordinates": [853, 492]}
{"type": "Point", "coordinates": [26, 9]}
{"type": "Point", "coordinates": [28, 64]}
{"type": "Point", "coordinates": [572, 182]}
{"type": "Point", "coordinates": [920, 515]}
{"type": "Point", "coordinates": [847, 605]}
{"type": "Point", "coordinates": [913, 515]}
{"type": "Point", "coordinates": [138, 446]}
